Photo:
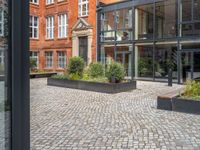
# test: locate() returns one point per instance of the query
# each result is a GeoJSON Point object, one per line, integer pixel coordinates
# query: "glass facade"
{"type": "Point", "coordinates": [149, 35]}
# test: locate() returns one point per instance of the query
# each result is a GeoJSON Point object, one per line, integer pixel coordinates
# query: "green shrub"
{"type": "Point", "coordinates": [76, 66]}
{"type": "Point", "coordinates": [74, 76]}
{"type": "Point", "coordinates": [62, 77]}
{"type": "Point", "coordinates": [192, 90]}
{"type": "Point", "coordinates": [115, 72]}
{"type": "Point", "coordinates": [33, 64]}
{"type": "Point", "coordinates": [96, 70]}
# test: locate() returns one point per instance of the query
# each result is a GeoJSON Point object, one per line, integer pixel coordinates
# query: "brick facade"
{"type": "Point", "coordinates": [69, 7]}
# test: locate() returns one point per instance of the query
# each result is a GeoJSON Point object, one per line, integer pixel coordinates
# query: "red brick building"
{"type": "Point", "coordinates": [60, 29]}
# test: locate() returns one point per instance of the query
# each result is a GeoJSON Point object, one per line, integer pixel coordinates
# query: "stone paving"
{"type": "Point", "coordinates": [63, 119]}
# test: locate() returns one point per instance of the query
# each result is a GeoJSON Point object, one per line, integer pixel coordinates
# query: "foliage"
{"type": "Point", "coordinates": [33, 64]}
{"type": "Point", "coordinates": [144, 67]}
{"type": "Point", "coordinates": [96, 70]}
{"type": "Point", "coordinates": [76, 67]}
{"type": "Point", "coordinates": [62, 77]}
{"type": "Point", "coordinates": [192, 90]}
{"type": "Point", "coordinates": [74, 76]}
{"type": "Point", "coordinates": [99, 79]}
{"type": "Point", "coordinates": [115, 72]}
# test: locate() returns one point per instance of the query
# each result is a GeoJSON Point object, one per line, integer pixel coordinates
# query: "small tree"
{"type": "Point", "coordinates": [115, 72]}
{"type": "Point", "coordinates": [76, 66]}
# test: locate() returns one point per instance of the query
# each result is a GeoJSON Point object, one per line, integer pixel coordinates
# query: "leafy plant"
{"type": "Point", "coordinates": [96, 70]}
{"type": "Point", "coordinates": [33, 64]}
{"type": "Point", "coordinates": [192, 90]}
{"type": "Point", "coordinates": [76, 66]}
{"type": "Point", "coordinates": [115, 72]}
{"type": "Point", "coordinates": [62, 77]}
{"type": "Point", "coordinates": [74, 76]}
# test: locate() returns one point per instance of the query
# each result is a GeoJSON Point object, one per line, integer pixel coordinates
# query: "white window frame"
{"type": "Point", "coordinates": [61, 59]}
{"type": "Point", "coordinates": [49, 2]}
{"type": "Point", "coordinates": [50, 27]}
{"type": "Point", "coordinates": [34, 2]}
{"type": "Point", "coordinates": [34, 27]}
{"type": "Point", "coordinates": [62, 26]}
{"type": "Point", "coordinates": [1, 22]}
{"type": "Point", "coordinates": [48, 60]}
{"type": "Point", "coordinates": [34, 55]}
{"type": "Point", "coordinates": [81, 4]}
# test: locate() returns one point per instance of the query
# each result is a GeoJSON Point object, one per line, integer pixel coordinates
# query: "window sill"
{"type": "Point", "coordinates": [62, 2]}
{"type": "Point", "coordinates": [34, 4]}
{"type": "Point", "coordinates": [49, 39]}
{"type": "Point", "coordinates": [50, 5]}
{"type": "Point", "coordinates": [34, 39]}
{"type": "Point", "coordinates": [64, 38]}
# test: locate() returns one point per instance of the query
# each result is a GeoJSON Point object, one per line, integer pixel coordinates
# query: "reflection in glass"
{"type": "Point", "coordinates": [4, 101]}
{"type": "Point", "coordinates": [166, 19]}
{"type": "Point", "coordinates": [107, 55]}
{"type": "Point", "coordinates": [196, 9]}
{"type": "Point", "coordinates": [190, 29]}
{"type": "Point", "coordinates": [124, 57]}
{"type": "Point", "coordinates": [145, 21]}
{"type": "Point", "coordinates": [163, 55]}
{"type": "Point", "coordinates": [186, 10]}
{"type": "Point", "coordinates": [107, 21]}
{"type": "Point", "coordinates": [145, 61]}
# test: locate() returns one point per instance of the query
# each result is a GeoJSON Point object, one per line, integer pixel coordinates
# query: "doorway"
{"type": "Point", "coordinates": [83, 48]}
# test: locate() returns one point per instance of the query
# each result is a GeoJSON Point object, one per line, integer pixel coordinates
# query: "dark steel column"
{"type": "Point", "coordinates": [20, 76]}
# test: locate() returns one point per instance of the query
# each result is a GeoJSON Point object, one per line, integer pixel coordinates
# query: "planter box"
{"type": "Point", "coordinates": [42, 75]}
{"type": "Point", "coordinates": [164, 103]}
{"type": "Point", "coordinates": [93, 86]}
{"type": "Point", "coordinates": [185, 105]}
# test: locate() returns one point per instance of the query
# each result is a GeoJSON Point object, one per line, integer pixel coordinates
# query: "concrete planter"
{"type": "Point", "coordinates": [93, 86]}
{"type": "Point", "coordinates": [185, 105]}
{"type": "Point", "coordinates": [42, 75]}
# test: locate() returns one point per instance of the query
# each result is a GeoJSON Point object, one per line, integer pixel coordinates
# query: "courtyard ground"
{"type": "Point", "coordinates": [63, 119]}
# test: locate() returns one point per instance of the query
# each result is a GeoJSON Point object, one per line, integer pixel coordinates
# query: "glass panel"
{"type": "Point", "coordinates": [124, 57]}
{"type": "Point", "coordinates": [196, 71]}
{"type": "Point", "coordinates": [196, 9]}
{"type": "Point", "coordinates": [107, 55]}
{"type": "Point", "coordinates": [145, 21]}
{"type": "Point", "coordinates": [166, 19]}
{"type": "Point", "coordinates": [186, 10]}
{"type": "Point", "coordinates": [145, 61]}
{"type": "Point", "coordinates": [186, 66]}
{"type": "Point", "coordinates": [4, 99]}
{"type": "Point", "coordinates": [124, 35]}
{"type": "Point", "coordinates": [107, 21]}
{"type": "Point", "coordinates": [108, 36]}
{"type": "Point", "coordinates": [124, 19]}
{"type": "Point", "coordinates": [191, 29]}
{"type": "Point", "coordinates": [165, 54]}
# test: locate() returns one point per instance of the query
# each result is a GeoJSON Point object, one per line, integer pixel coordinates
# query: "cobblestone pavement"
{"type": "Point", "coordinates": [63, 119]}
